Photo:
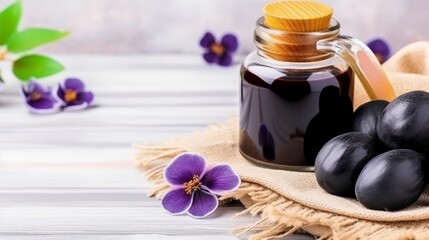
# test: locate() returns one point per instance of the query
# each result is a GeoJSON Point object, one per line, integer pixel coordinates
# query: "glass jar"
{"type": "Point", "coordinates": [293, 97]}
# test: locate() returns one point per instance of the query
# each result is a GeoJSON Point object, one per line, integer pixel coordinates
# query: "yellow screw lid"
{"type": "Point", "coordinates": [297, 15]}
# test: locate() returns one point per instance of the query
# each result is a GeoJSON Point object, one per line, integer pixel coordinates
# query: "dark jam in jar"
{"type": "Point", "coordinates": [287, 116]}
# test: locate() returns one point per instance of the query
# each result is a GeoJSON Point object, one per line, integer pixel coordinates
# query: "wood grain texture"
{"type": "Point", "coordinates": [298, 15]}
{"type": "Point", "coordinates": [71, 175]}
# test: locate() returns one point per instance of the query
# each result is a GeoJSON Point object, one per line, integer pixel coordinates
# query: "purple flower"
{"type": "Point", "coordinates": [195, 187]}
{"type": "Point", "coordinates": [39, 98]}
{"type": "Point", "coordinates": [72, 95]}
{"type": "Point", "coordinates": [380, 48]}
{"type": "Point", "coordinates": [220, 53]}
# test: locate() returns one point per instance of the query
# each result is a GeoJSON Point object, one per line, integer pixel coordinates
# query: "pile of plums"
{"type": "Point", "coordinates": [383, 161]}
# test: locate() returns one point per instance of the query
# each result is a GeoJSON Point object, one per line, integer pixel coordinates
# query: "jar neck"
{"type": "Point", "coordinates": [292, 46]}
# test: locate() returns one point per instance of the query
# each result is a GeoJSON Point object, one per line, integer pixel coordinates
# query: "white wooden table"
{"type": "Point", "coordinates": [71, 175]}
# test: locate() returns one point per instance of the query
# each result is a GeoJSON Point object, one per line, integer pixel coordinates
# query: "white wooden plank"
{"type": "Point", "coordinates": [159, 76]}
{"type": "Point", "coordinates": [10, 101]}
{"type": "Point", "coordinates": [114, 237]}
{"type": "Point", "coordinates": [112, 220]}
{"type": "Point", "coordinates": [117, 115]}
{"type": "Point", "coordinates": [77, 177]}
{"type": "Point", "coordinates": [72, 176]}
{"type": "Point", "coordinates": [9, 157]}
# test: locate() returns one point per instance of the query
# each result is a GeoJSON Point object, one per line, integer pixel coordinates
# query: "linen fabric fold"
{"type": "Point", "coordinates": [291, 201]}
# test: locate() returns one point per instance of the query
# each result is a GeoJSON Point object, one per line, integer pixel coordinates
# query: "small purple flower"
{"type": "Point", "coordinates": [380, 48]}
{"type": "Point", "coordinates": [195, 186]}
{"type": "Point", "coordinates": [72, 95]}
{"type": "Point", "coordinates": [220, 53]}
{"type": "Point", "coordinates": [39, 98]}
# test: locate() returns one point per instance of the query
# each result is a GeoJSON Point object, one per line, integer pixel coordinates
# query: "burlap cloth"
{"type": "Point", "coordinates": [290, 201]}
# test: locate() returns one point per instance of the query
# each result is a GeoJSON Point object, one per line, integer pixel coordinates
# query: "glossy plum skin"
{"type": "Point", "coordinates": [366, 116]}
{"type": "Point", "coordinates": [404, 123]}
{"type": "Point", "coordinates": [340, 161]}
{"type": "Point", "coordinates": [334, 118]}
{"type": "Point", "coordinates": [392, 180]}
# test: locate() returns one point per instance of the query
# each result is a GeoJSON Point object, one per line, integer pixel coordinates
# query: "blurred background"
{"type": "Point", "coordinates": [175, 26]}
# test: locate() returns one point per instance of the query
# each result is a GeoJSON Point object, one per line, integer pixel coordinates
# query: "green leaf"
{"type": "Point", "coordinates": [36, 66]}
{"type": "Point", "coordinates": [9, 21]}
{"type": "Point", "coordinates": [31, 38]}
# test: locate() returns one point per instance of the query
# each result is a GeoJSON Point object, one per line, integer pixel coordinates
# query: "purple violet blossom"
{"type": "Point", "coordinates": [220, 53]}
{"type": "Point", "coordinates": [72, 95]}
{"type": "Point", "coordinates": [39, 98]}
{"type": "Point", "coordinates": [195, 186]}
{"type": "Point", "coordinates": [380, 48]}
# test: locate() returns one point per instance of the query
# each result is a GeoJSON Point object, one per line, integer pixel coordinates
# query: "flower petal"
{"type": "Point", "coordinates": [203, 204]}
{"type": "Point", "coordinates": [43, 106]}
{"type": "Point", "coordinates": [183, 167]}
{"type": "Point", "coordinates": [177, 201]}
{"type": "Point", "coordinates": [84, 100]}
{"type": "Point", "coordinates": [60, 95]}
{"type": "Point", "coordinates": [25, 93]}
{"type": "Point", "coordinates": [34, 86]}
{"type": "Point", "coordinates": [225, 60]}
{"type": "Point", "coordinates": [43, 103]}
{"type": "Point", "coordinates": [43, 111]}
{"type": "Point", "coordinates": [380, 47]}
{"type": "Point", "coordinates": [86, 97]}
{"type": "Point", "coordinates": [75, 84]}
{"type": "Point", "coordinates": [220, 179]}
{"type": "Point", "coordinates": [230, 42]}
{"type": "Point", "coordinates": [207, 40]}
{"type": "Point", "coordinates": [76, 105]}
{"type": "Point", "coordinates": [210, 57]}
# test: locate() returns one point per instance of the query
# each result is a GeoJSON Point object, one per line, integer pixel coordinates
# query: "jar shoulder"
{"type": "Point", "coordinates": [335, 64]}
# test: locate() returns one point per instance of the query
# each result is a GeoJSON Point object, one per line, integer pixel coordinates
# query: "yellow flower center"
{"type": "Point", "coordinates": [70, 95]}
{"type": "Point", "coordinates": [217, 49]}
{"type": "Point", "coordinates": [34, 96]}
{"type": "Point", "coordinates": [3, 54]}
{"type": "Point", "coordinates": [192, 185]}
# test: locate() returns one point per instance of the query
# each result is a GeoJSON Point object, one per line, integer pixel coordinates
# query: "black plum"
{"type": "Point", "coordinates": [404, 123]}
{"type": "Point", "coordinates": [334, 118]}
{"type": "Point", "coordinates": [366, 116]}
{"type": "Point", "coordinates": [340, 161]}
{"type": "Point", "coordinates": [392, 180]}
